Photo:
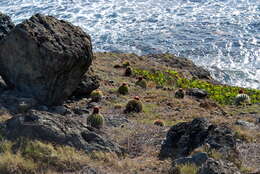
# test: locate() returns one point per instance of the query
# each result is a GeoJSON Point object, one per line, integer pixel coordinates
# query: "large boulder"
{"type": "Point", "coordinates": [6, 25]}
{"type": "Point", "coordinates": [45, 58]}
{"type": "Point", "coordinates": [184, 137]}
{"type": "Point", "coordinates": [59, 129]}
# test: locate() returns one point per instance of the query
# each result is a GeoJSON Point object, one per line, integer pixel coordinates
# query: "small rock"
{"type": "Point", "coordinates": [80, 111]}
{"type": "Point", "coordinates": [116, 121]}
{"type": "Point", "coordinates": [42, 108]}
{"type": "Point", "coordinates": [88, 83]}
{"type": "Point", "coordinates": [245, 124]}
{"type": "Point", "coordinates": [212, 167]}
{"type": "Point", "coordinates": [196, 92]}
{"type": "Point", "coordinates": [198, 159]}
{"type": "Point", "coordinates": [111, 81]}
{"type": "Point", "coordinates": [62, 110]}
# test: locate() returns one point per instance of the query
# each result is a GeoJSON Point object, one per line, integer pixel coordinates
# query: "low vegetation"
{"type": "Point", "coordinates": [222, 94]}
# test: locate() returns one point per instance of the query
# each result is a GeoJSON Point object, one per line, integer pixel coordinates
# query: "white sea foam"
{"type": "Point", "coordinates": [222, 35]}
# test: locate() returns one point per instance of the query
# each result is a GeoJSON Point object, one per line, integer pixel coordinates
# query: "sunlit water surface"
{"type": "Point", "coordinates": [221, 35]}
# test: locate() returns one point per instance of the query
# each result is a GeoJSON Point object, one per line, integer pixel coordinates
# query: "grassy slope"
{"type": "Point", "coordinates": [140, 137]}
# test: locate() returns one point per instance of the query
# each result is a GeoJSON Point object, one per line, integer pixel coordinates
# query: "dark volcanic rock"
{"type": "Point", "coordinates": [88, 83]}
{"type": "Point", "coordinates": [58, 129]}
{"type": "Point", "coordinates": [183, 138]}
{"type": "Point", "coordinates": [198, 93]}
{"type": "Point", "coordinates": [6, 25]}
{"type": "Point", "coordinates": [45, 58]}
{"type": "Point", "coordinates": [212, 166]}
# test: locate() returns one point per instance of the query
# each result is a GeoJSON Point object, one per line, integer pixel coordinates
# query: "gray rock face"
{"type": "Point", "coordinates": [6, 25]}
{"type": "Point", "coordinates": [183, 138]}
{"type": "Point", "coordinates": [58, 129]}
{"type": "Point", "coordinates": [45, 58]}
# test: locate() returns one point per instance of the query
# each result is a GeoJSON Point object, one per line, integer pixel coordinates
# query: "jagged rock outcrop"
{"type": "Point", "coordinates": [45, 58]}
{"type": "Point", "coordinates": [58, 129]}
{"type": "Point", "coordinates": [184, 137]}
{"type": "Point", "coordinates": [6, 25]}
{"type": "Point", "coordinates": [213, 166]}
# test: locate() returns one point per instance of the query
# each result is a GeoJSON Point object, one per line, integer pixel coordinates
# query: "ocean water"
{"type": "Point", "coordinates": [221, 35]}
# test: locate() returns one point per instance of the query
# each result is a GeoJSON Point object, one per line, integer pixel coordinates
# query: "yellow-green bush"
{"type": "Point", "coordinates": [223, 94]}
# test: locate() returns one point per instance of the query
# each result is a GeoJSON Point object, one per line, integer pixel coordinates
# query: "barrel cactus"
{"type": "Point", "coordinates": [179, 93]}
{"type": "Point", "coordinates": [128, 71]}
{"type": "Point", "coordinates": [141, 82]}
{"type": "Point", "coordinates": [134, 105]}
{"type": "Point", "coordinates": [96, 120]}
{"type": "Point", "coordinates": [242, 98]}
{"type": "Point", "coordinates": [158, 123]}
{"type": "Point", "coordinates": [123, 89]}
{"type": "Point", "coordinates": [96, 96]}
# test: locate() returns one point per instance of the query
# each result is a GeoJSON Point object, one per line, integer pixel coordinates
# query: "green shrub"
{"type": "Point", "coordinates": [188, 169]}
{"type": "Point", "coordinates": [223, 94]}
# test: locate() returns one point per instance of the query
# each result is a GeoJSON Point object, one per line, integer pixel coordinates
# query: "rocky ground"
{"type": "Point", "coordinates": [199, 134]}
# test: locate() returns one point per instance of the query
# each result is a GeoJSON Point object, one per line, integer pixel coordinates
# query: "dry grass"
{"type": "Point", "coordinates": [187, 169]}
{"type": "Point", "coordinates": [36, 156]}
